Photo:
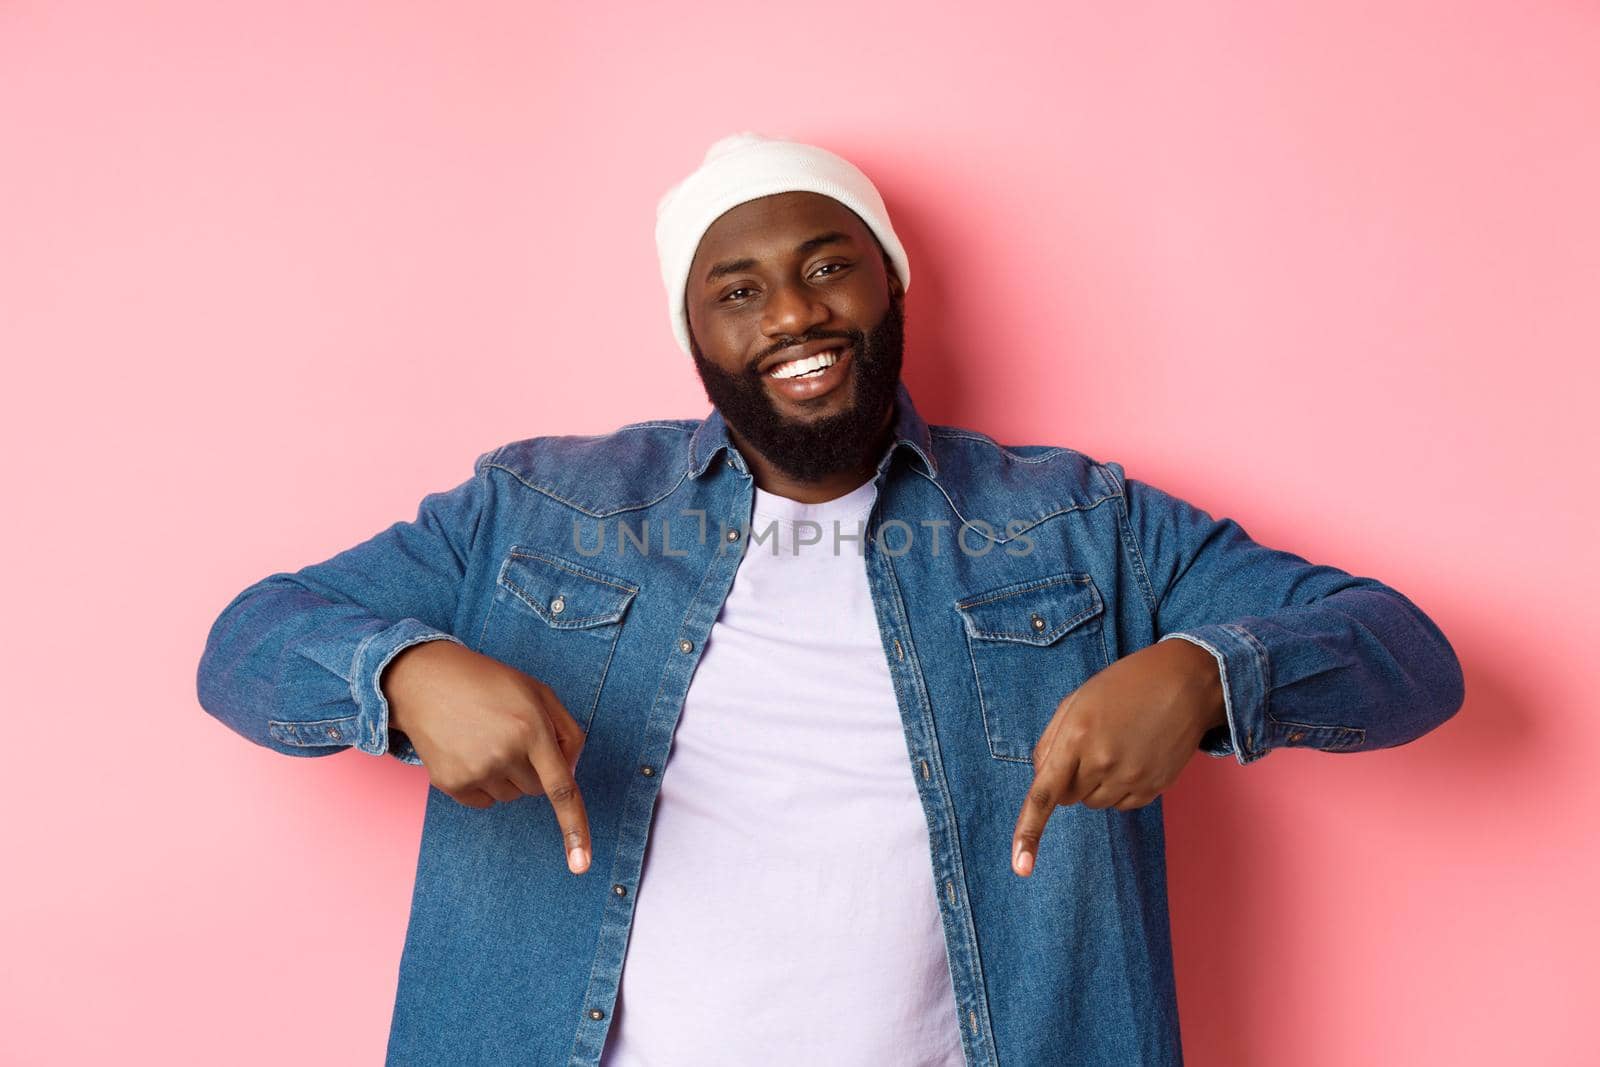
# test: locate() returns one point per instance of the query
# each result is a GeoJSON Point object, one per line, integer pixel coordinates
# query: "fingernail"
{"type": "Point", "coordinates": [578, 860]}
{"type": "Point", "coordinates": [1022, 860]}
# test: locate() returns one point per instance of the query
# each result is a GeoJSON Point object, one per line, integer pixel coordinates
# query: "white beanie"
{"type": "Point", "coordinates": [745, 166]}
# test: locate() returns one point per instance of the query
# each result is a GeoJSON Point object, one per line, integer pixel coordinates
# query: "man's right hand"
{"type": "Point", "coordinates": [486, 732]}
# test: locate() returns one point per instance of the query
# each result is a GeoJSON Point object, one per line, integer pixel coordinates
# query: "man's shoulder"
{"type": "Point", "coordinates": [997, 477]}
{"type": "Point", "coordinates": [627, 467]}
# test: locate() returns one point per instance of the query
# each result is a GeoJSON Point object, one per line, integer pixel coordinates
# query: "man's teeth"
{"type": "Point", "coordinates": [809, 367]}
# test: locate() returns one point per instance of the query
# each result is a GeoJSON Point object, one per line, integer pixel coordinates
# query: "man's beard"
{"type": "Point", "coordinates": [813, 449]}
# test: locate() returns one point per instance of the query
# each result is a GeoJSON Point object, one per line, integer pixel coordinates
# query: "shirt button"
{"type": "Point", "coordinates": [620, 890]}
{"type": "Point", "coordinates": [558, 605]}
{"type": "Point", "coordinates": [1297, 735]}
{"type": "Point", "coordinates": [647, 770]}
{"type": "Point", "coordinates": [686, 646]}
{"type": "Point", "coordinates": [333, 732]}
{"type": "Point", "coordinates": [733, 535]}
{"type": "Point", "coordinates": [596, 1013]}
{"type": "Point", "coordinates": [1038, 623]}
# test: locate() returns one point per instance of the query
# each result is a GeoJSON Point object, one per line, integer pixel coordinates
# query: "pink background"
{"type": "Point", "coordinates": [269, 273]}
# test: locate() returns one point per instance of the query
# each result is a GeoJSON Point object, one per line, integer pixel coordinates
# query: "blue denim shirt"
{"type": "Point", "coordinates": [1064, 565]}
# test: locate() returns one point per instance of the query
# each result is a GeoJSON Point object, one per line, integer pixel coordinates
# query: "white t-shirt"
{"type": "Point", "coordinates": [786, 911]}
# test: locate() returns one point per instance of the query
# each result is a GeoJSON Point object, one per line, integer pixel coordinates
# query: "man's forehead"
{"type": "Point", "coordinates": [779, 225]}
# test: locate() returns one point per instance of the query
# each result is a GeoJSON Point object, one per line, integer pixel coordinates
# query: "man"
{"type": "Point", "coordinates": [892, 704]}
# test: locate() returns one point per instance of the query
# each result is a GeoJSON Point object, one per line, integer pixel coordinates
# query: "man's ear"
{"type": "Point", "coordinates": [896, 290]}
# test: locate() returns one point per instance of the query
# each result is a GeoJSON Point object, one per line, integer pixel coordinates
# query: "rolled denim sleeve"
{"type": "Point", "coordinates": [294, 661]}
{"type": "Point", "coordinates": [1309, 655]}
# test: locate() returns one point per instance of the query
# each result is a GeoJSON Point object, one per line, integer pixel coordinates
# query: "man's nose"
{"type": "Point", "coordinates": [791, 311]}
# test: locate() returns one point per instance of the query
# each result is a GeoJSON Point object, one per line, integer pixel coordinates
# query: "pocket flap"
{"type": "Point", "coordinates": [1034, 612]}
{"type": "Point", "coordinates": [564, 594]}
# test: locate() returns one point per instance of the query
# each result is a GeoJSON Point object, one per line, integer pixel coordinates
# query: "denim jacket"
{"type": "Point", "coordinates": [598, 564]}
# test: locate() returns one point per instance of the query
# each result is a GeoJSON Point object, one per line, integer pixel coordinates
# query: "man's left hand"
{"type": "Point", "coordinates": [1121, 738]}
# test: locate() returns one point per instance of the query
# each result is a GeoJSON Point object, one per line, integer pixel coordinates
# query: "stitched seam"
{"type": "Point", "coordinates": [936, 755]}
{"type": "Point", "coordinates": [1105, 652]}
{"type": "Point", "coordinates": [704, 578]}
{"type": "Point", "coordinates": [1130, 544]}
{"type": "Point", "coordinates": [483, 631]}
{"type": "Point", "coordinates": [654, 701]}
{"type": "Point", "coordinates": [682, 425]}
{"type": "Point", "coordinates": [579, 507]}
{"type": "Point", "coordinates": [355, 665]}
{"type": "Point", "coordinates": [1000, 539]}
{"type": "Point", "coordinates": [573, 568]}
{"type": "Point", "coordinates": [1028, 637]}
{"type": "Point", "coordinates": [1027, 585]}
{"type": "Point", "coordinates": [605, 672]}
{"type": "Point", "coordinates": [486, 459]}
{"type": "Point", "coordinates": [576, 623]}
{"type": "Point", "coordinates": [983, 707]}
{"type": "Point", "coordinates": [1263, 669]}
{"type": "Point", "coordinates": [297, 723]}
{"type": "Point", "coordinates": [956, 433]}
{"type": "Point", "coordinates": [611, 433]}
{"type": "Point", "coordinates": [1315, 727]}
{"type": "Point", "coordinates": [1264, 665]}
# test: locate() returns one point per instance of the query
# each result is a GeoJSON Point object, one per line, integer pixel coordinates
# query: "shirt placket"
{"type": "Point", "coordinates": [686, 646]}
{"type": "Point", "coordinates": [916, 717]}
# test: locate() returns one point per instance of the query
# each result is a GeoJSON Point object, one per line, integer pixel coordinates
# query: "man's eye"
{"type": "Point", "coordinates": [741, 289]}
{"type": "Point", "coordinates": [825, 266]}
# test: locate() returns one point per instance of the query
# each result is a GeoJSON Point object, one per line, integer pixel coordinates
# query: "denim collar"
{"type": "Point", "coordinates": [910, 432]}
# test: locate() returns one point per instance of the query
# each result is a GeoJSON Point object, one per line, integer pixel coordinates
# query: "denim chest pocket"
{"type": "Point", "coordinates": [558, 621]}
{"type": "Point", "coordinates": [1031, 642]}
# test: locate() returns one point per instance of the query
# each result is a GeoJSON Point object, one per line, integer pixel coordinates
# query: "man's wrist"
{"type": "Point", "coordinates": [399, 678]}
{"type": "Point", "coordinates": [1206, 681]}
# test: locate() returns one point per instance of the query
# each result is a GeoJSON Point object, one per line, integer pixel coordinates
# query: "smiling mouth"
{"type": "Point", "coordinates": [808, 366]}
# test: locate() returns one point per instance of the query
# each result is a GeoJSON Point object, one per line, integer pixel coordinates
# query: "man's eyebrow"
{"type": "Point", "coordinates": [810, 244]}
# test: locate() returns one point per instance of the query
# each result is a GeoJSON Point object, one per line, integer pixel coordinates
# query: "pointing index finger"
{"type": "Point", "coordinates": [1051, 783]}
{"type": "Point", "coordinates": [565, 799]}
{"type": "Point", "coordinates": [554, 755]}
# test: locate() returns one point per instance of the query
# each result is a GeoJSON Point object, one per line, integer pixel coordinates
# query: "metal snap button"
{"type": "Point", "coordinates": [558, 605]}
{"type": "Point", "coordinates": [1038, 623]}
{"type": "Point", "coordinates": [733, 535]}
{"type": "Point", "coordinates": [596, 1013]}
{"type": "Point", "coordinates": [333, 732]}
{"type": "Point", "coordinates": [647, 770]}
{"type": "Point", "coordinates": [686, 646]}
{"type": "Point", "coordinates": [620, 890]}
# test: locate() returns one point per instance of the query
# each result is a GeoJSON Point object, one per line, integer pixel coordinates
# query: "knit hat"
{"type": "Point", "coordinates": [746, 166]}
